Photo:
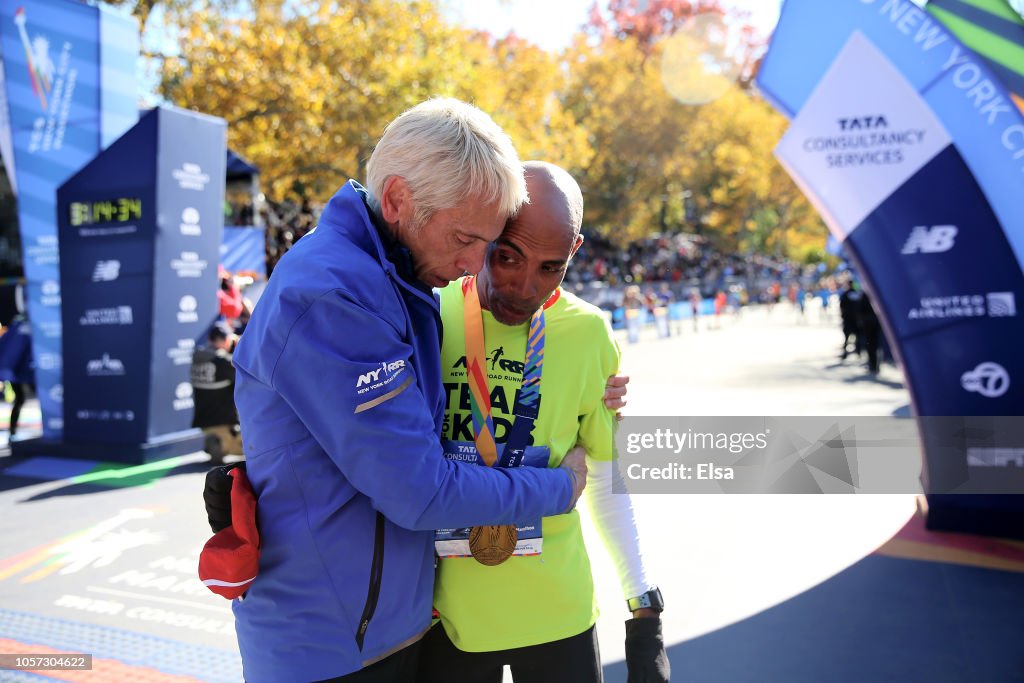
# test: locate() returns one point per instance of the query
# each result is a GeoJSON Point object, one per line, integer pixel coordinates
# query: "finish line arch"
{"type": "Point", "coordinates": [913, 153]}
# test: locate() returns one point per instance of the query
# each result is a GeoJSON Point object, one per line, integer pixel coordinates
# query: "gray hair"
{"type": "Point", "coordinates": [447, 151]}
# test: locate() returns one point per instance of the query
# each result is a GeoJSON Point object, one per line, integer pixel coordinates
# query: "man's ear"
{"type": "Point", "coordinates": [576, 246]}
{"type": "Point", "coordinates": [396, 200]}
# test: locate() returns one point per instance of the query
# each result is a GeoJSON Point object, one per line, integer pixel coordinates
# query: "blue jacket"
{"type": "Point", "coordinates": [340, 400]}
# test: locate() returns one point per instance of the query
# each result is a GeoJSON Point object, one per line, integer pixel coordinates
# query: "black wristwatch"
{"type": "Point", "coordinates": [650, 600]}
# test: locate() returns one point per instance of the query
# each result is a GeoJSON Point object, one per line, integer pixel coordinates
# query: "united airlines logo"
{"type": "Point", "coordinates": [37, 56]}
{"type": "Point", "coordinates": [106, 271]}
{"type": "Point", "coordinates": [1001, 304]}
{"type": "Point", "coordinates": [991, 380]}
{"type": "Point", "coordinates": [993, 305]}
{"type": "Point", "coordinates": [119, 315]}
{"type": "Point", "coordinates": [930, 240]}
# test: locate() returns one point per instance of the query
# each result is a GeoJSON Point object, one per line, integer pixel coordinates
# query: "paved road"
{"type": "Point", "coordinates": [722, 558]}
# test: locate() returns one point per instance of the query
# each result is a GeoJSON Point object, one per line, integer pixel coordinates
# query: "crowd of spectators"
{"type": "Point", "coordinates": [683, 265]}
{"type": "Point", "coordinates": [286, 223]}
{"type": "Point", "coordinates": [674, 266]}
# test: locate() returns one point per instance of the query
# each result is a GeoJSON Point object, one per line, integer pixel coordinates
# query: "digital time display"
{"type": "Point", "coordinates": [119, 210]}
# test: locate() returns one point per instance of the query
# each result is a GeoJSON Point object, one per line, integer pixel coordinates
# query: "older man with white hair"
{"type": "Point", "coordinates": [341, 400]}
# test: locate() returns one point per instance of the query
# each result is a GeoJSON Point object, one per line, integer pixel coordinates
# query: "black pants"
{"type": "Point", "coordinates": [871, 335]}
{"type": "Point", "coordinates": [399, 667]}
{"type": "Point", "coordinates": [571, 660]}
{"type": "Point", "coordinates": [19, 389]}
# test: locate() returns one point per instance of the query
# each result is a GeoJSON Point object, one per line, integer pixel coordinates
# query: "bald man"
{"type": "Point", "coordinates": [526, 599]}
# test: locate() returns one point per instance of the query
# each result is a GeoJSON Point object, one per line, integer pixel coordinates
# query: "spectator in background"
{"type": "Point", "coordinates": [229, 296]}
{"type": "Point", "coordinates": [665, 295]}
{"type": "Point", "coordinates": [650, 300]}
{"type": "Point", "coordinates": [870, 329]}
{"type": "Point", "coordinates": [16, 365]}
{"type": "Point", "coordinates": [849, 305]}
{"type": "Point", "coordinates": [213, 389]}
{"type": "Point", "coordinates": [243, 317]}
{"type": "Point", "coordinates": [633, 303]}
{"type": "Point", "coordinates": [694, 306]}
{"type": "Point", "coordinates": [720, 302]}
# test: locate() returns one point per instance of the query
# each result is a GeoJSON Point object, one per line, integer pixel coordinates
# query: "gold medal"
{"type": "Point", "coordinates": [492, 545]}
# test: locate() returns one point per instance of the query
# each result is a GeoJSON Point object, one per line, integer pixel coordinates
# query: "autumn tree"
{"type": "Point", "coordinates": [662, 162]}
{"type": "Point", "coordinates": [306, 94]}
{"type": "Point", "coordinates": [307, 91]}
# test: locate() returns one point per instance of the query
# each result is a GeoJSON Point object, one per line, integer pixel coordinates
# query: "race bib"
{"type": "Point", "coordinates": [455, 542]}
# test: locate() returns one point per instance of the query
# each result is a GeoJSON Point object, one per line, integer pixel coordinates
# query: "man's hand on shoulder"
{"type": "Point", "coordinates": [615, 392]}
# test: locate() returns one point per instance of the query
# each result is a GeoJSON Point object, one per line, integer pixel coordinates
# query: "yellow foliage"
{"type": "Point", "coordinates": [307, 90]}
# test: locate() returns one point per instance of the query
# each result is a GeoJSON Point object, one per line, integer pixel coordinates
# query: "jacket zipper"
{"type": "Point", "coordinates": [376, 574]}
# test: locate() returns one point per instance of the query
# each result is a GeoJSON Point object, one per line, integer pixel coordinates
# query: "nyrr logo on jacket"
{"type": "Point", "coordinates": [385, 374]}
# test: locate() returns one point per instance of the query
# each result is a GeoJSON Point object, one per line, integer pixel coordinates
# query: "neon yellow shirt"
{"type": "Point", "coordinates": [533, 599]}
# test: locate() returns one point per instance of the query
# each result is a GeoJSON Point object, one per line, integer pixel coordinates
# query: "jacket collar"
{"type": "Point", "coordinates": [348, 212]}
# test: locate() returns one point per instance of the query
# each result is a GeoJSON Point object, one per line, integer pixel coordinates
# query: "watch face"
{"type": "Point", "coordinates": [650, 600]}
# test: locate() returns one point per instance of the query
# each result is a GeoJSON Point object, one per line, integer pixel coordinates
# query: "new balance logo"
{"type": "Point", "coordinates": [106, 271]}
{"type": "Point", "coordinates": [934, 240]}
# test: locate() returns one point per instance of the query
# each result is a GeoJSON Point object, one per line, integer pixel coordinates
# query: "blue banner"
{"type": "Point", "coordinates": [190, 186]}
{"type": "Point", "coordinates": [913, 153]}
{"type": "Point", "coordinates": [54, 72]}
{"type": "Point", "coordinates": [140, 227]}
{"type": "Point", "coordinates": [244, 250]}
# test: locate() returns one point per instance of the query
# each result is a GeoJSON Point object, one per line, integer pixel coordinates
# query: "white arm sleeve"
{"type": "Point", "coordinates": [613, 518]}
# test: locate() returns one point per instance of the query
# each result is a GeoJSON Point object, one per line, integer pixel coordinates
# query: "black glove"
{"type": "Point", "coordinates": [646, 659]}
{"type": "Point", "coordinates": [217, 496]}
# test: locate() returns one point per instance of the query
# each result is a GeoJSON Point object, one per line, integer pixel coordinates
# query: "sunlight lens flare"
{"type": "Point", "coordinates": [696, 65]}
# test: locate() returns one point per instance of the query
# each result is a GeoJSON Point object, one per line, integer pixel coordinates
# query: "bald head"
{"type": "Point", "coordinates": [528, 262]}
{"type": "Point", "coordinates": [555, 192]}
